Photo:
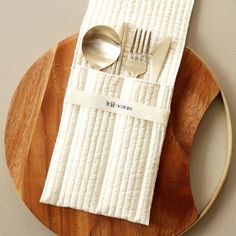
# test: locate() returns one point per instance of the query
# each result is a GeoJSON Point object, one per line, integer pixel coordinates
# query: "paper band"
{"type": "Point", "coordinates": [122, 107]}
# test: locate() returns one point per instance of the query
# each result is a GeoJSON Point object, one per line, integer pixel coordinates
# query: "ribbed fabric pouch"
{"type": "Point", "coordinates": [107, 163]}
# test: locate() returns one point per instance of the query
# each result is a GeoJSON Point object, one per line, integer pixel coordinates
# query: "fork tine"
{"type": "Point", "coordinates": [148, 43]}
{"type": "Point", "coordinates": [144, 40]}
{"type": "Point", "coordinates": [139, 41]}
{"type": "Point", "coordinates": [134, 40]}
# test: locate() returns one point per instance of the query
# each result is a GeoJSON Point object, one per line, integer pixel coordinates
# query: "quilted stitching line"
{"type": "Point", "coordinates": [145, 133]}
{"type": "Point", "coordinates": [77, 190]}
{"type": "Point", "coordinates": [110, 118]}
{"type": "Point", "coordinates": [104, 114]}
{"type": "Point", "coordinates": [71, 172]}
{"type": "Point", "coordinates": [134, 138]}
{"type": "Point", "coordinates": [112, 153]}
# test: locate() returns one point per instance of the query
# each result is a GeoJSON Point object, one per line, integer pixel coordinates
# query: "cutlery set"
{"type": "Point", "coordinates": [103, 47]}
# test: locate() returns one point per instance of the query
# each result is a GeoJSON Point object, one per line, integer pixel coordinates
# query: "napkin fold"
{"type": "Point", "coordinates": [103, 162]}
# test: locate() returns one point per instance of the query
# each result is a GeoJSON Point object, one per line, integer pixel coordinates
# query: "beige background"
{"type": "Point", "coordinates": [29, 28]}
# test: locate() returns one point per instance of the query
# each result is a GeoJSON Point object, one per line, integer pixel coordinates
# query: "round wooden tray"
{"type": "Point", "coordinates": [31, 130]}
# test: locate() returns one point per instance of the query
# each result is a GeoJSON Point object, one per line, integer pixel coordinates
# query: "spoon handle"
{"type": "Point", "coordinates": [117, 65]}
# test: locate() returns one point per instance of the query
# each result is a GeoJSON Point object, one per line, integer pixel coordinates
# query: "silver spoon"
{"type": "Point", "coordinates": [101, 46]}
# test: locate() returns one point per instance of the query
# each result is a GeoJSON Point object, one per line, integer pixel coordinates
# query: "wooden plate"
{"type": "Point", "coordinates": [31, 130]}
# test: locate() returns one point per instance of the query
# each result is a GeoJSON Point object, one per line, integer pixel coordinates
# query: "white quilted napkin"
{"type": "Point", "coordinates": [105, 160]}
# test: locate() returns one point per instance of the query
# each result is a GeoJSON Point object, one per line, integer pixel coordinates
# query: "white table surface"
{"type": "Point", "coordinates": [29, 28]}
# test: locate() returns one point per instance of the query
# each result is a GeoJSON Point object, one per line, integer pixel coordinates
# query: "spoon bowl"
{"type": "Point", "coordinates": [101, 46]}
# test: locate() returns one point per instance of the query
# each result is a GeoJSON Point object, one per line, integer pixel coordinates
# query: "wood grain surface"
{"type": "Point", "coordinates": [31, 131]}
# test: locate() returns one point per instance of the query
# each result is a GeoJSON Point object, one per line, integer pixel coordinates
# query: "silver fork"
{"type": "Point", "coordinates": [137, 61]}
